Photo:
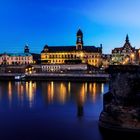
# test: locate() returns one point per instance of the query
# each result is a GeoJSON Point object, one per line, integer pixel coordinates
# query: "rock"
{"type": "Point", "coordinates": [121, 105]}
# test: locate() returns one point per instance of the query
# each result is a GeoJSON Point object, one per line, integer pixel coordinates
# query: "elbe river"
{"type": "Point", "coordinates": [51, 110]}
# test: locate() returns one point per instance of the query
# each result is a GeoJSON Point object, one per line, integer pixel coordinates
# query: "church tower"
{"type": "Point", "coordinates": [79, 42]}
{"type": "Point", "coordinates": [127, 39]}
{"type": "Point", "coordinates": [26, 49]}
{"type": "Point", "coordinates": [127, 44]}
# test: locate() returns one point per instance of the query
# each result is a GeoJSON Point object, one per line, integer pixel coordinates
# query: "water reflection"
{"type": "Point", "coordinates": [10, 91]}
{"type": "Point", "coordinates": [51, 106]}
{"type": "Point", "coordinates": [20, 92]}
{"type": "Point", "coordinates": [30, 92]}
{"type": "Point", "coordinates": [63, 91]}
{"type": "Point", "coordinates": [60, 92]}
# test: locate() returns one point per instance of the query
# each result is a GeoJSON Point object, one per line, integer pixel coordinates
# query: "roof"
{"type": "Point", "coordinates": [17, 54]}
{"type": "Point", "coordinates": [72, 49]}
{"type": "Point", "coordinates": [126, 46]}
{"type": "Point", "coordinates": [79, 33]}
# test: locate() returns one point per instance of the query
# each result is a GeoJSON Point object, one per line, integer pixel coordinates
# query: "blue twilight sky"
{"type": "Point", "coordinates": [55, 22]}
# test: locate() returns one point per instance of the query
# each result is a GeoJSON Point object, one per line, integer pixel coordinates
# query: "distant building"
{"type": "Point", "coordinates": [124, 55]}
{"type": "Point", "coordinates": [64, 67]}
{"type": "Point", "coordinates": [106, 60]}
{"type": "Point", "coordinates": [24, 58]}
{"type": "Point", "coordinates": [17, 58]}
{"type": "Point", "coordinates": [72, 54]}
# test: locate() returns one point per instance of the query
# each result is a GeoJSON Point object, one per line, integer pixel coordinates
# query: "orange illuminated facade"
{"type": "Point", "coordinates": [72, 54]}
{"type": "Point", "coordinates": [125, 55]}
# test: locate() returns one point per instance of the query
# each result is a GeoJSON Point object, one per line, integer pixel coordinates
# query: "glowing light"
{"type": "Point", "coordinates": [62, 93]}
{"type": "Point", "coordinates": [52, 91]}
{"type": "Point", "coordinates": [90, 87]}
{"type": "Point", "coordinates": [132, 55]}
{"type": "Point", "coordinates": [30, 91]}
{"type": "Point", "coordinates": [49, 93]}
{"type": "Point", "coordinates": [69, 87]}
{"type": "Point", "coordinates": [102, 88]}
{"type": "Point", "coordinates": [94, 91]}
{"type": "Point", "coordinates": [10, 91]}
{"type": "Point", "coordinates": [81, 54]}
{"type": "Point", "coordinates": [82, 94]}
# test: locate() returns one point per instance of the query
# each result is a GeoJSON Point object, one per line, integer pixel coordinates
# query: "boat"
{"type": "Point", "coordinates": [20, 77]}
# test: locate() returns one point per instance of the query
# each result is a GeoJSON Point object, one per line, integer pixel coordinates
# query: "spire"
{"type": "Point", "coordinates": [127, 38]}
{"type": "Point", "coordinates": [79, 32]}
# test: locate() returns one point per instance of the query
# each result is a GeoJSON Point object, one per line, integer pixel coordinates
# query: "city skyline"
{"type": "Point", "coordinates": [55, 23]}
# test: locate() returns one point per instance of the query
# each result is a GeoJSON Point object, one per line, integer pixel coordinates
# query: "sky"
{"type": "Point", "coordinates": [55, 22]}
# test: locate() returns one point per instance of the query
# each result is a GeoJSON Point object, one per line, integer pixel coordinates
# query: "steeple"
{"type": "Point", "coordinates": [127, 39]}
{"type": "Point", "coordinates": [127, 44]}
{"type": "Point", "coordinates": [79, 33]}
{"type": "Point", "coordinates": [79, 41]}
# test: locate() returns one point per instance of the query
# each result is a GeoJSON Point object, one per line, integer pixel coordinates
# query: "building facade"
{"type": "Point", "coordinates": [125, 55]}
{"type": "Point", "coordinates": [64, 67]}
{"type": "Point", "coordinates": [72, 54]}
{"type": "Point", "coordinates": [16, 58]}
{"type": "Point", "coordinates": [106, 60]}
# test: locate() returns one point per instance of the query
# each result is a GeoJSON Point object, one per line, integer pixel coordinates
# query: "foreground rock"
{"type": "Point", "coordinates": [121, 105]}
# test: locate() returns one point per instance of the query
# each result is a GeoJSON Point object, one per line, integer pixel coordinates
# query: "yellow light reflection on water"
{"type": "Point", "coordinates": [82, 94]}
{"type": "Point", "coordinates": [50, 92]}
{"type": "Point", "coordinates": [20, 91]}
{"type": "Point", "coordinates": [63, 91]}
{"type": "Point", "coordinates": [30, 92]}
{"type": "Point", "coordinates": [26, 86]}
{"type": "Point", "coordinates": [94, 91]}
{"type": "Point", "coordinates": [10, 91]}
{"type": "Point", "coordinates": [102, 88]}
{"type": "Point", "coordinates": [90, 87]}
{"type": "Point", "coordinates": [69, 87]}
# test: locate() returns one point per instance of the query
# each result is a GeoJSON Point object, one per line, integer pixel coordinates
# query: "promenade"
{"type": "Point", "coordinates": [56, 76]}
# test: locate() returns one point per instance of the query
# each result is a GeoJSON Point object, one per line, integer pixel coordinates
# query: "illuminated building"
{"type": "Point", "coordinates": [17, 58]}
{"type": "Point", "coordinates": [63, 67]}
{"type": "Point", "coordinates": [106, 59]}
{"type": "Point", "coordinates": [72, 54]}
{"type": "Point", "coordinates": [124, 55]}
{"type": "Point", "coordinates": [24, 58]}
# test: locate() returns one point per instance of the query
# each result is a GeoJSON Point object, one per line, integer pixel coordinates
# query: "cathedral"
{"type": "Point", "coordinates": [78, 54]}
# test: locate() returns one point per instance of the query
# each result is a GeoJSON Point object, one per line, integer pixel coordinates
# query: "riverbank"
{"type": "Point", "coordinates": [56, 77]}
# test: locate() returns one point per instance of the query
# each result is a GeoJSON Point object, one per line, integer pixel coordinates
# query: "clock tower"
{"type": "Point", "coordinates": [79, 42]}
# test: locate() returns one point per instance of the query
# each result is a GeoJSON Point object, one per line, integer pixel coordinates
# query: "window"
{"type": "Point", "coordinates": [71, 56]}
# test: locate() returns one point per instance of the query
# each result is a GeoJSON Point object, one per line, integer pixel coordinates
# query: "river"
{"type": "Point", "coordinates": [50, 110]}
